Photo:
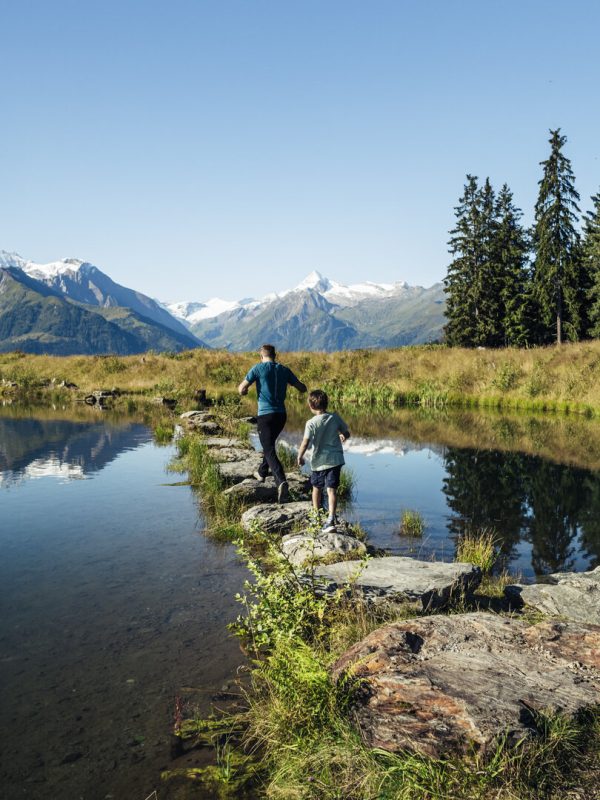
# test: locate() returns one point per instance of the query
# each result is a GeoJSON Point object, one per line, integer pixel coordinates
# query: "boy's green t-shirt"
{"type": "Point", "coordinates": [323, 433]}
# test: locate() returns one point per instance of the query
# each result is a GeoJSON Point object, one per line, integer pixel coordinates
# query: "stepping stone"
{"type": "Point", "coordinates": [434, 583]}
{"type": "Point", "coordinates": [216, 442]}
{"type": "Point", "coordinates": [253, 491]}
{"type": "Point", "coordinates": [299, 548]}
{"type": "Point", "coordinates": [273, 517]}
{"type": "Point", "coordinates": [223, 454]}
{"type": "Point", "coordinates": [207, 428]}
{"type": "Point", "coordinates": [197, 416]}
{"type": "Point", "coordinates": [238, 471]}
{"type": "Point", "coordinates": [572, 595]}
{"type": "Point", "coordinates": [446, 684]}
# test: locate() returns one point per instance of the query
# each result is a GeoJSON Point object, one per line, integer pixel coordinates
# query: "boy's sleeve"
{"type": "Point", "coordinates": [251, 376]}
{"type": "Point", "coordinates": [342, 427]}
{"type": "Point", "coordinates": [308, 431]}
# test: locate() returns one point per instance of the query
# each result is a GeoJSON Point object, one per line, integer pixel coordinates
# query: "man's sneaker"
{"type": "Point", "coordinates": [259, 477]}
{"type": "Point", "coordinates": [283, 492]}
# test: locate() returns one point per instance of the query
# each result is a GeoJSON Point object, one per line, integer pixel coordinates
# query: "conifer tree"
{"type": "Point", "coordinates": [591, 263]}
{"type": "Point", "coordinates": [511, 255]}
{"type": "Point", "coordinates": [471, 285]}
{"type": "Point", "coordinates": [465, 247]}
{"type": "Point", "coordinates": [556, 246]}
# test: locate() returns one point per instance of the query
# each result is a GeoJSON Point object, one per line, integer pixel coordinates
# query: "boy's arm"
{"type": "Point", "coordinates": [301, 451]}
{"type": "Point", "coordinates": [343, 429]}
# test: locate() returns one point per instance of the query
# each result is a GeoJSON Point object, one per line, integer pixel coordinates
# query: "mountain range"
{"type": "Point", "coordinates": [71, 306]}
{"type": "Point", "coordinates": [320, 314]}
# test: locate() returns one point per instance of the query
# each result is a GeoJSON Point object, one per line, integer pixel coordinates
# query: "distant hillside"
{"type": "Point", "coordinates": [36, 318]}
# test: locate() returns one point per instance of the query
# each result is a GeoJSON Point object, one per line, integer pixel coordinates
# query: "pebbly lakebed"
{"type": "Point", "coordinates": [113, 601]}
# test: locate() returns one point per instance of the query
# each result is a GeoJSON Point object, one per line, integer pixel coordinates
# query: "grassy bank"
{"type": "Point", "coordinates": [293, 735]}
{"type": "Point", "coordinates": [563, 379]}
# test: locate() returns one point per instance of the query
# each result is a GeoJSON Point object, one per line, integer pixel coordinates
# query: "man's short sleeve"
{"type": "Point", "coordinates": [291, 378]}
{"type": "Point", "coordinates": [251, 376]}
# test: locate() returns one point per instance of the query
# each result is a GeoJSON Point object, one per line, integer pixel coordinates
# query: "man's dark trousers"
{"type": "Point", "coordinates": [269, 427]}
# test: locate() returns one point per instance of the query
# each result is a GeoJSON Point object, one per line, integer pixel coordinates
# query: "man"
{"type": "Point", "coordinates": [271, 380]}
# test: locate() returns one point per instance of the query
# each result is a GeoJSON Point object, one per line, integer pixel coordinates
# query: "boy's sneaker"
{"type": "Point", "coordinates": [283, 492]}
{"type": "Point", "coordinates": [330, 525]}
{"type": "Point", "coordinates": [259, 477]}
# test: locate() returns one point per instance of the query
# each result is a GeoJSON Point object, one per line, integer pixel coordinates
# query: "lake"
{"type": "Point", "coordinates": [114, 601]}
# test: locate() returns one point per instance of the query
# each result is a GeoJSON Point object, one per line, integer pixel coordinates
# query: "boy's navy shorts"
{"type": "Point", "coordinates": [326, 478]}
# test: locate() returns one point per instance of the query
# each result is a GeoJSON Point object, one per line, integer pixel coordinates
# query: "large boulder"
{"type": "Point", "coordinates": [572, 595]}
{"type": "Point", "coordinates": [444, 684]}
{"type": "Point", "coordinates": [275, 518]}
{"type": "Point", "coordinates": [253, 491]}
{"type": "Point", "coordinates": [300, 548]}
{"type": "Point", "coordinates": [434, 583]}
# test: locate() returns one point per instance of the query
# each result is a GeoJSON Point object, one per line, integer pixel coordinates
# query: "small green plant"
{"type": "Point", "coordinates": [507, 377]}
{"type": "Point", "coordinates": [163, 431]}
{"type": "Point", "coordinates": [411, 523]}
{"type": "Point", "coordinates": [479, 548]}
{"type": "Point", "coordinates": [347, 485]}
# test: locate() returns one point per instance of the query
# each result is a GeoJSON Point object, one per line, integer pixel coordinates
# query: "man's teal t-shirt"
{"type": "Point", "coordinates": [271, 380]}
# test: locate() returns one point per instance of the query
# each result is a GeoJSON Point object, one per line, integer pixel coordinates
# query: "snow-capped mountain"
{"type": "Point", "coordinates": [320, 314]}
{"type": "Point", "coordinates": [338, 294]}
{"type": "Point", "coordinates": [85, 283]}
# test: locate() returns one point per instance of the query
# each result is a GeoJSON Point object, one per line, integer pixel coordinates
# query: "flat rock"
{"type": "Point", "coordinates": [223, 454]}
{"type": "Point", "coordinates": [238, 471]}
{"type": "Point", "coordinates": [444, 684]}
{"type": "Point", "coordinates": [253, 491]}
{"type": "Point", "coordinates": [207, 428]}
{"type": "Point", "coordinates": [434, 583]}
{"type": "Point", "coordinates": [572, 595]}
{"type": "Point", "coordinates": [272, 517]}
{"type": "Point", "coordinates": [197, 415]}
{"type": "Point", "coordinates": [216, 442]}
{"type": "Point", "coordinates": [299, 548]}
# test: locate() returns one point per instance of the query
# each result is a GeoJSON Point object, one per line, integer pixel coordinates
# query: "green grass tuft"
{"type": "Point", "coordinates": [411, 523]}
{"type": "Point", "coordinates": [479, 548]}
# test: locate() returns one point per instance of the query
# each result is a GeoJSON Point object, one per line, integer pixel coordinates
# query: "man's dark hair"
{"type": "Point", "coordinates": [318, 400]}
{"type": "Point", "coordinates": [268, 350]}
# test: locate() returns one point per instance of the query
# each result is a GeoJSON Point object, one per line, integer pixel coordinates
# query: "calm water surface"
{"type": "Point", "coordinates": [113, 602]}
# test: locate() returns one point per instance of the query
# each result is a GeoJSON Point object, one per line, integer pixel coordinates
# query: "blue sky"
{"type": "Point", "coordinates": [193, 149]}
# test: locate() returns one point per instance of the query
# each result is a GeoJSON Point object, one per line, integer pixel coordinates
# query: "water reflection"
{"type": "Point", "coordinates": [555, 507]}
{"type": "Point", "coordinates": [63, 449]}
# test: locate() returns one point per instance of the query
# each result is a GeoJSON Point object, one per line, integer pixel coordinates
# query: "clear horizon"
{"type": "Point", "coordinates": [202, 150]}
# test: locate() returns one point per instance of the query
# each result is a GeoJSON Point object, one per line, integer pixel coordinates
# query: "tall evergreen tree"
{"type": "Point", "coordinates": [471, 285]}
{"type": "Point", "coordinates": [591, 263]}
{"type": "Point", "coordinates": [514, 278]}
{"type": "Point", "coordinates": [556, 246]}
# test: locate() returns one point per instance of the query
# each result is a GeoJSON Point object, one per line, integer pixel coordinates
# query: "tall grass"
{"type": "Point", "coordinates": [411, 523]}
{"type": "Point", "coordinates": [562, 379]}
{"type": "Point", "coordinates": [478, 547]}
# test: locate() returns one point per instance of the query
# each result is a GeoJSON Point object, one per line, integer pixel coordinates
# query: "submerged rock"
{"type": "Point", "coordinates": [573, 595]}
{"type": "Point", "coordinates": [299, 548]}
{"type": "Point", "coordinates": [253, 491]}
{"type": "Point", "coordinates": [434, 583]}
{"type": "Point", "coordinates": [272, 517]}
{"type": "Point", "coordinates": [442, 684]}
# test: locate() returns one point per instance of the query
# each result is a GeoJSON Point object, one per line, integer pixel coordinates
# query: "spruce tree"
{"type": "Point", "coordinates": [473, 304]}
{"type": "Point", "coordinates": [514, 278]}
{"type": "Point", "coordinates": [556, 246]}
{"type": "Point", "coordinates": [465, 247]}
{"type": "Point", "coordinates": [591, 264]}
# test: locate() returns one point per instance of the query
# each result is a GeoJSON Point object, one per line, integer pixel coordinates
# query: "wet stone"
{"type": "Point", "coordinates": [434, 583]}
{"type": "Point", "coordinates": [572, 595]}
{"type": "Point", "coordinates": [443, 684]}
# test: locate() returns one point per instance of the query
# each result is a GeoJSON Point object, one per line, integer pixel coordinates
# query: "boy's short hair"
{"type": "Point", "coordinates": [318, 400]}
{"type": "Point", "coordinates": [267, 350]}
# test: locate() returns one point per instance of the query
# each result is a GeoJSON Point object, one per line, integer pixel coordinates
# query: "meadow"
{"type": "Point", "coordinates": [560, 379]}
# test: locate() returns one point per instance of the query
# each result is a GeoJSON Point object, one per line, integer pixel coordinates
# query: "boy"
{"type": "Point", "coordinates": [326, 432]}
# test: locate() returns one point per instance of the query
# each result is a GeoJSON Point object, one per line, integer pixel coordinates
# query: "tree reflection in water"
{"type": "Point", "coordinates": [524, 497]}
